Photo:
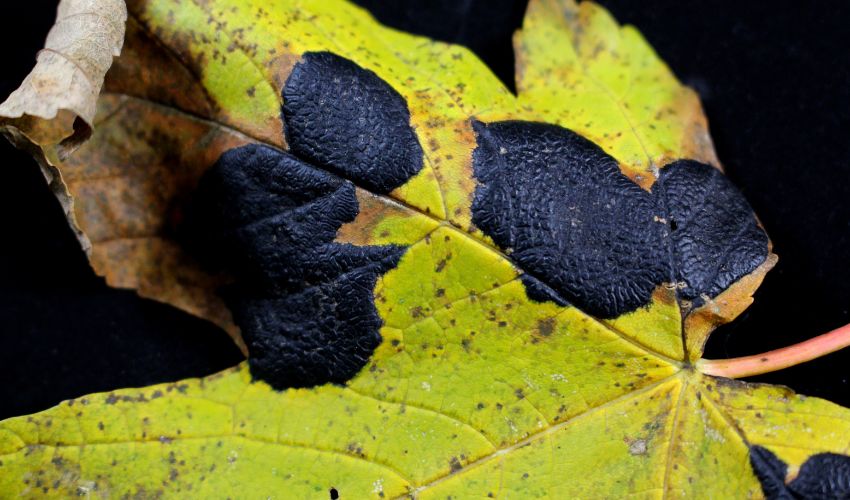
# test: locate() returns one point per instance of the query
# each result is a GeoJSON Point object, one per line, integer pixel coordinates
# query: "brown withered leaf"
{"type": "Point", "coordinates": [134, 154]}
{"type": "Point", "coordinates": [52, 111]}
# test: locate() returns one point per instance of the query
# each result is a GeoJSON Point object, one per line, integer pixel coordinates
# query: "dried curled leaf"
{"type": "Point", "coordinates": [68, 76]}
{"type": "Point", "coordinates": [52, 112]}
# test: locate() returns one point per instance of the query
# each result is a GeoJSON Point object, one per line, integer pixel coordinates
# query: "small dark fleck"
{"type": "Point", "coordinates": [545, 327]}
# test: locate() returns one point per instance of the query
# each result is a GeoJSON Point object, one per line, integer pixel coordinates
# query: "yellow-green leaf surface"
{"type": "Point", "coordinates": [476, 390]}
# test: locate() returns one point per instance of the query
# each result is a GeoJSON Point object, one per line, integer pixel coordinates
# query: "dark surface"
{"type": "Point", "coordinates": [715, 239]}
{"type": "Point", "coordinates": [305, 304]}
{"type": "Point", "coordinates": [775, 82]}
{"type": "Point", "coordinates": [566, 214]}
{"type": "Point", "coordinates": [823, 475]}
{"type": "Point", "coordinates": [347, 120]}
{"type": "Point", "coordinates": [771, 472]}
{"type": "Point", "coordinates": [561, 208]}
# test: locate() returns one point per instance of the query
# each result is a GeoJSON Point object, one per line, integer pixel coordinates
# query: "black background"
{"type": "Point", "coordinates": [775, 82]}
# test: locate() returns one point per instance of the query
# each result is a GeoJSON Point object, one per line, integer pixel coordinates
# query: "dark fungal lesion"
{"type": "Point", "coordinates": [714, 236]}
{"type": "Point", "coordinates": [303, 302]}
{"type": "Point", "coordinates": [823, 475]}
{"type": "Point", "coordinates": [345, 119]}
{"type": "Point", "coordinates": [586, 234]}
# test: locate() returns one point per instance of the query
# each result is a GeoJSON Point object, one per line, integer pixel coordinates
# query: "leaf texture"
{"type": "Point", "coordinates": [415, 327]}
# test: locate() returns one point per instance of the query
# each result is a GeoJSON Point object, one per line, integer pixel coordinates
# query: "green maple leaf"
{"type": "Point", "coordinates": [495, 369]}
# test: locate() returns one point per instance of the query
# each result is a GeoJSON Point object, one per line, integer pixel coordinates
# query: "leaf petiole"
{"type": "Point", "coordinates": [778, 359]}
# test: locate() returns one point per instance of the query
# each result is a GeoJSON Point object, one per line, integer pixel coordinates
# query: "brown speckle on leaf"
{"type": "Point", "coordinates": [441, 264]}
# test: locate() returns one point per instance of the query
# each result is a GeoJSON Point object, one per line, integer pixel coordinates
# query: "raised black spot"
{"type": "Point", "coordinates": [584, 233]}
{"type": "Point", "coordinates": [569, 217]}
{"type": "Point", "coordinates": [347, 120]}
{"type": "Point", "coordinates": [305, 303]}
{"type": "Point", "coordinates": [824, 475]}
{"type": "Point", "coordinates": [714, 236]}
{"type": "Point", "coordinates": [334, 494]}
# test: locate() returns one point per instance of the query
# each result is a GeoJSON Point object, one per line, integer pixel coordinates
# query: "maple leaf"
{"type": "Point", "coordinates": [445, 290]}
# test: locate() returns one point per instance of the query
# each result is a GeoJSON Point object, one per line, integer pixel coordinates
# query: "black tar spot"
{"type": "Point", "coordinates": [716, 239]}
{"type": "Point", "coordinates": [824, 475]}
{"type": "Point", "coordinates": [303, 302]}
{"type": "Point", "coordinates": [345, 119]}
{"type": "Point", "coordinates": [586, 234]}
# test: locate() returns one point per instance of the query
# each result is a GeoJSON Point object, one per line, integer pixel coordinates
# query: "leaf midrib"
{"type": "Point", "coordinates": [545, 432]}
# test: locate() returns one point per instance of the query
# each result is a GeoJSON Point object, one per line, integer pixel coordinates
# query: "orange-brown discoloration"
{"type": "Point", "coordinates": [700, 322]}
{"type": "Point", "coordinates": [152, 71]}
{"type": "Point", "coordinates": [130, 183]}
{"type": "Point", "coordinates": [363, 230]}
{"type": "Point", "coordinates": [370, 228]}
